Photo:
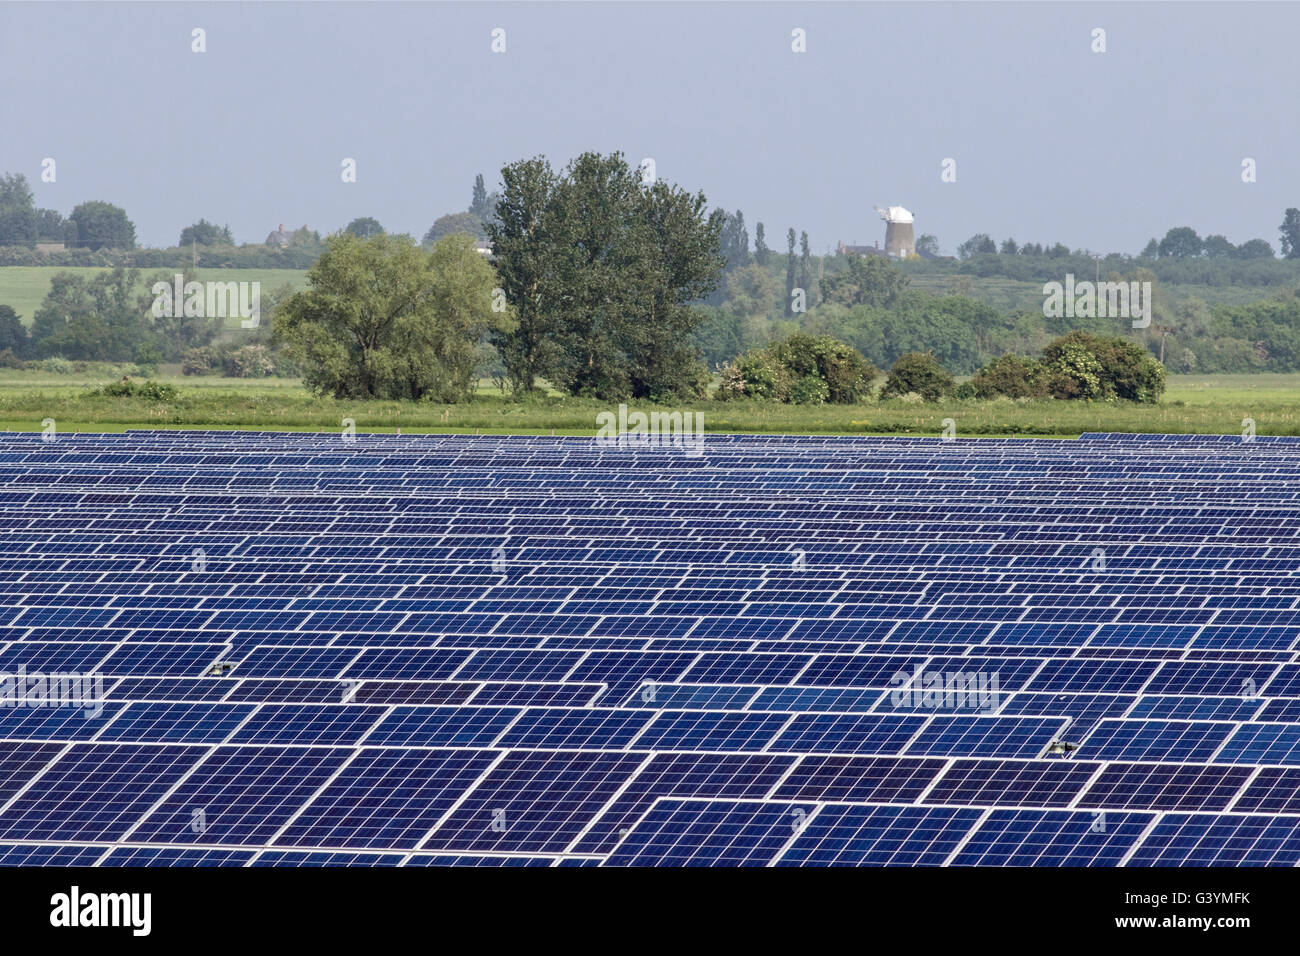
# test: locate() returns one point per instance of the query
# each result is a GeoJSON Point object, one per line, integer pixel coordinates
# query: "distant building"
{"type": "Point", "coordinates": [843, 250]}
{"type": "Point", "coordinates": [279, 237]}
{"type": "Point", "coordinates": [483, 246]}
{"type": "Point", "coordinates": [900, 243]}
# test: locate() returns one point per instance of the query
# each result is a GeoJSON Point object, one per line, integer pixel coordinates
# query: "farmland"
{"type": "Point", "coordinates": [1192, 403]}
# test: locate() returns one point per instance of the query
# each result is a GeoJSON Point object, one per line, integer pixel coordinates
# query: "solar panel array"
{"type": "Point", "coordinates": [527, 651]}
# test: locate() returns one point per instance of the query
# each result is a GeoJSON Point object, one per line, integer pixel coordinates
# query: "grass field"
{"type": "Point", "coordinates": [24, 287]}
{"type": "Point", "coordinates": [1205, 404]}
{"type": "Point", "coordinates": [1010, 295]}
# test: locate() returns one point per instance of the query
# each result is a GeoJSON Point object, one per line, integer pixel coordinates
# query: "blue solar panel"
{"type": "Point", "coordinates": [786, 651]}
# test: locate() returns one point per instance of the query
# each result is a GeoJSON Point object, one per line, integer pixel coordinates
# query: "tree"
{"type": "Point", "coordinates": [383, 318]}
{"type": "Point", "coordinates": [1218, 247]}
{"type": "Point", "coordinates": [680, 264]}
{"type": "Point", "coordinates": [97, 318]}
{"type": "Point", "coordinates": [456, 222]}
{"type": "Point", "coordinates": [50, 225]}
{"type": "Point", "coordinates": [13, 334]}
{"type": "Point", "coordinates": [527, 247]}
{"type": "Point", "coordinates": [979, 244]}
{"type": "Point", "coordinates": [18, 221]}
{"type": "Point", "coordinates": [204, 233]}
{"type": "Point", "coordinates": [101, 225]}
{"type": "Point", "coordinates": [735, 241]}
{"type": "Point", "coordinates": [1181, 242]}
{"type": "Point", "coordinates": [1254, 249]}
{"type": "Point", "coordinates": [927, 244]}
{"type": "Point", "coordinates": [790, 274]}
{"type": "Point", "coordinates": [178, 333]}
{"type": "Point", "coordinates": [1151, 250]}
{"type": "Point", "coordinates": [805, 268]}
{"type": "Point", "coordinates": [752, 290]}
{"type": "Point", "coordinates": [364, 227]}
{"type": "Point", "coordinates": [478, 203]}
{"type": "Point", "coordinates": [1009, 247]}
{"type": "Point", "coordinates": [1083, 365]}
{"type": "Point", "coordinates": [918, 372]}
{"type": "Point", "coordinates": [869, 280]}
{"type": "Point", "coordinates": [762, 254]}
{"type": "Point", "coordinates": [629, 260]}
{"type": "Point", "coordinates": [1290, 230]}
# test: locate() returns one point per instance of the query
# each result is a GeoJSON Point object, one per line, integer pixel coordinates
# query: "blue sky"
{"type": "Point", "coordinates": [1052, 141]}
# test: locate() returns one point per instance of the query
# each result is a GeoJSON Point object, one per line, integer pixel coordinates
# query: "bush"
{"type": "Point", "coordinates": [918, 372]}
{"type": "Point", "coordinates": [810, 390]}
{"type": "Point", "coordinates": [1014, 376]}
{"type": "Point", "coordinates": [149, 391]}
{"type": "Point", "coordinates": [1105, 367]}
{"type": "Point", "coordinates": [199, 361]}
{"type": "Point", "coordinates": [54, 366]}
{"type": "Point", "coordinates": [965, 391]}
{"type": "Point", "coordinates": [9, 360]}
{"type": "Point", "coordinates": [249, 361]}
{"type": "Point", "coordinates": [803, 369]}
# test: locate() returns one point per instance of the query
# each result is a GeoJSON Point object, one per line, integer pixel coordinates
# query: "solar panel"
{"type": "Point", "coordinates": [267, 649]}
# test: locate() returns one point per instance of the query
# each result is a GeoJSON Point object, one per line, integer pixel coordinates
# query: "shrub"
{"type": "Point", "coordinates": [199, 361]}
{"type": "Point", "coordinates": [1014, 376]}
{"type": "Point", "coordinates": [918, 372]}
{"type": "Point", "coordinates": [810, 390]}
{"type": "Point", "coordinates": [1122, 369]}
{"type": "Point", "coordinates": [803, 369]}
{"type": "Point", "coordinates": [55, 366]}
{"type": "Point", "coordinates": [150, 391]}
{"type": "Point", "coordinates": [249, 361]}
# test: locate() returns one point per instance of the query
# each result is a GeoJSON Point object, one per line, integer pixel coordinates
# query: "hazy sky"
{"type": "Point", "coordinates": [1052, 141]}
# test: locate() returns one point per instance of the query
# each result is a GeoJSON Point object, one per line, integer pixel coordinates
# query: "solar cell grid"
{"type": "Point", "coordinates": [679, 654]}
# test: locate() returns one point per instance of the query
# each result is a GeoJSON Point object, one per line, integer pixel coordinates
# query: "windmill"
{"type": "Point", "coordinates": [900, 243]}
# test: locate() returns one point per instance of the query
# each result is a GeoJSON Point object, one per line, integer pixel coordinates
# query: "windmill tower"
{"type": "Point", "coordinates": [900, 243]}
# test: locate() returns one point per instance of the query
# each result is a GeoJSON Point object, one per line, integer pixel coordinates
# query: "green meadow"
{"type": "Point", "coordinates": [1192, 403]}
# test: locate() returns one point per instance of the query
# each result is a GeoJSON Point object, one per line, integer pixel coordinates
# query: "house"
{"type": "Point", "coordinates": [842, 250]}
{"type": "Point", "coordinates": [279, 237]}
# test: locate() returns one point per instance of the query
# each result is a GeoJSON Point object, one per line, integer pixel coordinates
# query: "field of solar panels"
{"type": "Point", "coordinates": [505, 651]}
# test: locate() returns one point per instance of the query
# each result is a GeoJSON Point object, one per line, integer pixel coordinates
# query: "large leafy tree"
{"type": "Point", "coordinates": [363, 227]}
{"type": "Point", "coordinates": [205, 233]}
{"type": "Point", "coordinates": [980, 244]}
{"type": "Point", "coordinates": [1181, 242]}
{"type": "Point", "coordinates": [96, 318]}
{"type": "Point", "coordinates": [173, 335]}
{"type": "Point", "coordinates": [869, 280]}
{"type": "Point", "coordinates": [680, 264]}
{"type": "Point", "coordinates": [13, 334]}
{"type": "Point", "coordinates": [452, 223]}
{"type": "Point", "coordinates": [383, 318]}
{"type": "Point", "coordinates": [527, 245]}
{"type": "Point", "coordinates": [602, 270]}
{"type": "Point", "coordinates": [18, 221]}
{"type": "Point", "coordinates": [101, 225]}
